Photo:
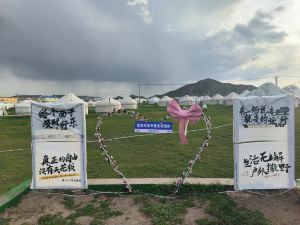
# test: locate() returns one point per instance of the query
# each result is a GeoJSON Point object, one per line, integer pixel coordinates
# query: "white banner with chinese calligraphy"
{"type": "Point", "coordinates": [264, 145]}
{"type": "Point", "coordinates": [58, 146]}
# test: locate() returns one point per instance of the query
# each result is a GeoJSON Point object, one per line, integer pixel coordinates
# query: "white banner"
{"type": "Point", "coordinates": [264, 146]}
{"type": "Point", "coordinates": [58, 146]}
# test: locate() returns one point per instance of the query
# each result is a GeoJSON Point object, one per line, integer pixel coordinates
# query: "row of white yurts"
{"type": "Point", "coordinates": [270, 89]}
{"type": "Point", "coordinates": [23, 108]}
{"type": "Point", "coordinates": [266, 89]}
{"type": "Point", "coordinates": [4, 107]}
{"type": "Point", "coordinates": [108, 104]}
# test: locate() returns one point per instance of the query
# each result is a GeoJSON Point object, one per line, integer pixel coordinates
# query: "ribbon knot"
{"type": "Point", "coordinates": [193, 114]}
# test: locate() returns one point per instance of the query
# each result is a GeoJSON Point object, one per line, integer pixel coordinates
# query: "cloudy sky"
{"type": "Point", "coordinates": [101, 47]}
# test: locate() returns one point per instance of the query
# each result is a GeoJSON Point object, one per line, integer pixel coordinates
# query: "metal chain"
{"type": "Point", "coordinates": [178, 184]}
{"type": "Point", "coordinates": [140, 117]}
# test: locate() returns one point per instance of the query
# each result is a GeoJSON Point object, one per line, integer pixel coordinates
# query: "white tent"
{"type": "Point", "coordinates": [267, 89]}
{"type": "Point", "coordinates": [142, 100]}
{"type": "Point", "coordinates": [215, 100]}
{"type": "Point", "coordinates": [91, 103]}
{"type": "Point", "coordinates": [153, 100]}
{"type": "Point", "coordinates": [217, 97]}
{"type": "Point", "coordinates": [2, 108]}
{"type": "Point", "coordinates": [208, 100]}
{"type": "Point", "coordinates": [198, 99]}
{"type": "Point", "coordinates": [73, 98]}
{"type": "Point", "coordinates": [270, 89]}
{"type": "Point", "coordinates": [7, 105]}
{"type": "Point", "coordinates": [23, 108]}
{"type": "Point", "coordinates": [128, 103]}
{"type": "Point", "coordinates": [228, 100]}
{"type": "Point", "coordinates": [3, 105]}
{"type": "Point", "coordinates": [244, 93]}
{"type": "Point", "coordinates": [294, 90]}
{"type": "Point", "coordinates": [186, 101]}
{"type": "Point", "coordinates": [107, 104]}
{"type": "Point", "coordinates": [164, 101]}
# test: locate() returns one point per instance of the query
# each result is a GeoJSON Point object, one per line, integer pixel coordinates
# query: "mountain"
{"type": "Point", "coordinates": [135, 96]}
{"type": "Point", "coordinates": [209, 87]}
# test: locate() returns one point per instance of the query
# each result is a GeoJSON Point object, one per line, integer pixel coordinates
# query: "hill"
{"type": "Point", "coordinates": [209, 87]}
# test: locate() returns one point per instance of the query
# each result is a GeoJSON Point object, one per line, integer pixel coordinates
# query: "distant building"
{"type": "Point", "coordinates": [21, 98]}
{"type": "Point", "coordinates": [11, 100]}
{"type": "Point", "coordinates": [47, 99]}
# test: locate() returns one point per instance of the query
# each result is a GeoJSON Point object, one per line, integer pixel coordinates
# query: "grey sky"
{"type": "Point", "coordinates": [99, 47]}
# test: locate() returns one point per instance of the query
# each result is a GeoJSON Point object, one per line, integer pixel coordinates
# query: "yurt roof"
{"type": "Point", "coordinates": [206, 97]}
{"type": "Point", "coordinates": [244, 93]}
{"type": "Point", "coordinates": [186, 98]}
{"type": "Point", "coordinates": [108, 101]}
{"type": "Point", "coordinates": [232, 95]}
{"type": "Point", "coordinates": [293, 89]}
{"type": "Point", "coordinates": [154, 98]}
{"type": "Point", "coordinates": [70, 97]}
{"type": "Point", "coordinates": [165, 99]}
{"type": "Point", "coordinates": [217, 96]}
{"type": "Point", "coordinates": [25, 103]}
{"type": "Point", "coordinates": [128, 100]}
{"type": "Point", "coordinates": [267, 89]}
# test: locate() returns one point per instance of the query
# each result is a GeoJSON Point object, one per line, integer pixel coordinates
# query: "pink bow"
{"type": "Point", "coordinates": [192, 114]}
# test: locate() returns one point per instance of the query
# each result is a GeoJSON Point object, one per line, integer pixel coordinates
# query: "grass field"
{"type": "Point", "coordinates": [148, 156]}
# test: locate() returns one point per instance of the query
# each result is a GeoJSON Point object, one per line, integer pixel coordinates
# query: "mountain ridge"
{"type": "Point", "coordinates": [209, 87]}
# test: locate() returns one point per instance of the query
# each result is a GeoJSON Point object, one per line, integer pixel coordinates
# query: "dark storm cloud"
{"type": "Point", "coordinates": [117, 41]}
{"type": "Point", "coordinates": [223, 52]}
{"type": "Point", "coordinates": [259, 30]}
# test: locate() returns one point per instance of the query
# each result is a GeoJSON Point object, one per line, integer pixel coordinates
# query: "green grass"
{"type": "Point", "coordinates": [100, 213]}
{"type": "Point", "coordinates": [222, 209]}
{"type": "Point", "coordinates": [4, 221]}
{"type": "Point", "coordinates": [225, 211]}
{"type": "Point", "coordinates": [164, 212]}
{"type": "Point", "coordinates": [150, 156]}
{"type": "Point", "coordinates": [50, 219]}
{"type": "Point", "coordinates": [69, 202]}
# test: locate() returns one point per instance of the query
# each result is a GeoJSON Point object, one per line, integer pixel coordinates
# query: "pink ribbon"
{"type": "Point", "coordinates": [192, 114]}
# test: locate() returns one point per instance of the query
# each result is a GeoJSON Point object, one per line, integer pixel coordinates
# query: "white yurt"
{"type": "Point", "coordinates": [244, 93]}
{"type": "Point", "coordinates": [107, 104]}
{"type": "Point", "coordinates": [164, 101]}
{"type": "Point", "coordinates": [128, 103]}
{"type": "Point", "coordinates": [293, 89]}
{"type": "Point", "coordinates": [228, 100]}
{"type": "Point", "coordinates": [91, 103]}
{"type": "Point", "coordinates": [73, 98]}
{"type": "Point", "coordinates": [186, 101]}
{"type": "Point", "coordinates": [7, 105]}
{"type": "Point", "coordinates": [207, 100]}
{"type": "Point", "coordinates": [142, 100]}
{"type": "Point", "coordinates": [2, 108]}
{"type": "Point", "coordinates": [269, 89]}
{"type": "Point", "coordinates": [153, 100]}
{"type": "Point", "coordinates": [23, 108]}
{"type": "Point", "coordinates": [217, 98]}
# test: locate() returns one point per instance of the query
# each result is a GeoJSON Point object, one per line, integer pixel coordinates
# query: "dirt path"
{"type": "Point", "coordinates": [281, 210]}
